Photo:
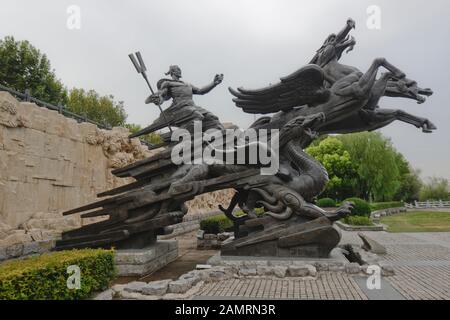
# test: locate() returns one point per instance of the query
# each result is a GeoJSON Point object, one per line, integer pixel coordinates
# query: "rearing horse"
{"type": "Point", "coordinates": [371, 116]}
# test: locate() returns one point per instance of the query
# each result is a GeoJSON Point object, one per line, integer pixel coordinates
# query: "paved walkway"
{"type": "Point", "coordinates": [421, 262]}
{"type": "Point", "coordinates": [328, 285]}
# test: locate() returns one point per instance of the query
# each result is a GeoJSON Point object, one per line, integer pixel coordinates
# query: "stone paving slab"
{"type": "Point", "coordinates": [421, 262]}
{"type": "Point", "coordinates": [327, 286]}
{"type": "Point", "coordinates": [422, 283]}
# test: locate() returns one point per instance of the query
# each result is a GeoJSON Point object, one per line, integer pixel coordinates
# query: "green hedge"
{"type": "Point", "coordinates": [362, 207]}
{"type": "Point", "coordinates": [326, 203]}
{"type": "Point", "coordinates": [385, 205]}
{"type": "Point", "coordinates": [220, 223]}
{"type": "Point", "coordinates": [358, 221]}
{"type": "Point", "coordinates": [216, 224]}
{"type": "Point", "coordinates": [45, 277]}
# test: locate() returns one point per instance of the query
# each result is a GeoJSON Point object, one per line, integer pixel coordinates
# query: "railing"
{"type": "Point", "coordinates": [61, 109]}
{"type": "Point", "coordinates": [428, 204]}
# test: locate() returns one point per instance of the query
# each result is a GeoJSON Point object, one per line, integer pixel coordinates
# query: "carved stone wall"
{"type": "Point", "coordinates": [50, 163]}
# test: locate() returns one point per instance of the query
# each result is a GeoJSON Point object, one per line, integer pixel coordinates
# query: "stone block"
{"type": "Point", "coordinates": [280, 271]}
{"type": "Point", "coordinates": [46, 245]}
{"type": "Point", "coordinates": [246, 272]}
{"type": "Point", "coordinates": [3, 255]}
{"type": "Point", "coordinates": [336, 267]}
{"type": "Point", "coordinates": [312, 270]}
{"type": "Point", "coordinates": [284, 263]}
{"type": "Point", "coordinates": [105, 295]}
{"type": "Point", "coordinates": [298, 271]}
{"type": "Point", "coordinates": [14, 251]}
{"type": "Point", "coordinates": [137, 262]}
{"type": "Point", "coordinates": [219, 273]}
{"type": "Point", "coordinates": [31, 248]}
{"type": "Point", "coordinates": [264, 271]}
{"type": "Point", "coordinates": [126, 295]}
{"type": "Point", "coordinates": [180, 286]}
{"type": "Point", "coordinates": [200, 234]}
{"type": "Point", "coordinates": [371, 245]}
{"type": "Point", "coordinates": [16, 238]}
{"type": "Point", "coordinates": [157, 288]}
{"type": "Point", "coordinates": [321, 266]}
{"type": "Point", "coordinates": [195, 276]}
{"type": "Point", "coordinates": [135, 256]}
{"type": "Point", "coordinates": [172, 244]}
{"type": "Point", "coordinates": [172, 255]}
{"type": "Point", "coordinates": [352, 268]}
{"type": "Point", "coordinates": [135, 286]}
{"type": "Point", "coordinates": [223, 236]}
{"type": "Point", "coordinates": [387, 270]}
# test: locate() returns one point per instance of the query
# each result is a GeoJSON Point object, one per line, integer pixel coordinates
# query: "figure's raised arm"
{"type": "Point", "coordinates": [204, 90]}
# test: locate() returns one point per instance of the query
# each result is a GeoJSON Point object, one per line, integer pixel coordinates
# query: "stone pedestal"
{"type": "Point", "coordinates": [336, 258]}
{"type": "Point", "coordinates": [138, 262]}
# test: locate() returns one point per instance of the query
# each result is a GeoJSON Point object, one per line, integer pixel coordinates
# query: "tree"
{"type": "Point", "coordinates": [410, 182]}
{"type": "Point", "coordinates": [153, 138]}
{"type": "Point", "coordinates": [435, 189]}
{"type": "Point", "coordinates": [102, 109]}
{"type": "Point", "coordinates": [330, 152]}
{"type": "Point", "coordinates": [375, 160]}
{"type": "Point", "coordinates": [22, 67]}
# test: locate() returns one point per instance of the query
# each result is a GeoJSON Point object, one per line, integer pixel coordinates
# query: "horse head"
{"type": "Point", "coordinates": [407, 88]}
{"type": "Point", "coordinates": [335, 45]}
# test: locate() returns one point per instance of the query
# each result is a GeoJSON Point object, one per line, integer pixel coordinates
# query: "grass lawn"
{"type": "Point", "coordinates": [418, 222]}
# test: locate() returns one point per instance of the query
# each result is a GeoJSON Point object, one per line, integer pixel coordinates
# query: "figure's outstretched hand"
{"type": "Point", "coordinates": [154, 98]}
{"type": "Point", "coordinates": [218, 79]}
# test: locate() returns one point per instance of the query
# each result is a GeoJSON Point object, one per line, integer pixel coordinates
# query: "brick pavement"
{"type": "Point", "coordinates": [327, 286]}
{"type": "Point", "coordinates": [421, 262]}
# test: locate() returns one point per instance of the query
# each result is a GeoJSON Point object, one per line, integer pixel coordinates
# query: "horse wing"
{"type": "Point", "coordinates": [305, 86]}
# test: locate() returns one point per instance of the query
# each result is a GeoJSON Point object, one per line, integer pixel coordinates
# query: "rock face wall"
{"type": "Point", "coordinates": [50, 163]}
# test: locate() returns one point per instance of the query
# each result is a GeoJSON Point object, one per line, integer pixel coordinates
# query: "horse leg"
{"type": "Point", "coordinates": [382, 117]}
{"type": "Point", "coordinates": [378, 90]}
{"type": "Point", "coordinates": [361, 84]}
{"type": "Point", "coordinates": [426, 125]}
{"type": "Point", "coordinates": [367, 80]}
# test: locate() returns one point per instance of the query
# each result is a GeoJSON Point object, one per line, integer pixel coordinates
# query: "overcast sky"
{"type": "Point", "coordinates": [252, 42]}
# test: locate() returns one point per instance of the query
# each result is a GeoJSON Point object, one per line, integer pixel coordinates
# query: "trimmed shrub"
{"type": "Point", "coordinates": [45, 277]}
{"type": "Point", "coordinates": [326, 203]}
{"type": "Point", "coordinates": [358, 221]}
{"type": "Point", "coordinates": [385, 205]}
{"type": "Point", "coordinates": [220, 223]}
{"type": "Point", "coordinates": [216, 224]}
{"type": "Point", "coordinates": [362, 207]}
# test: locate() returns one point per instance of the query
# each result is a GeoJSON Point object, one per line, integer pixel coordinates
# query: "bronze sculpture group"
{"type": "Point", "coordinates": [323, 97]}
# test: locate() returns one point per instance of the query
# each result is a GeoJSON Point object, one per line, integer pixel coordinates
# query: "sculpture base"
{"type": "Point", "coordinates": [294, 238]}
{"type": "Point", "coordinates": [271, 249]}
{"type": "Point", "coordinates": [335, 258]}
{"type": "Point", "coordinates": [139, 262]}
